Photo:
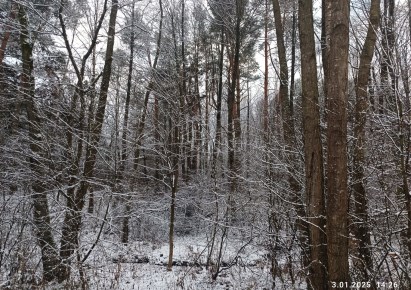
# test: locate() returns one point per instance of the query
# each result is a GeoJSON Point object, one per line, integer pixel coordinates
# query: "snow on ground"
{"type": "Point", "coordinates": [251, 273]}
{"type": "Point", "coordinates": [113, 266]}
{"type": "Point", "coordinates": [12, 61]}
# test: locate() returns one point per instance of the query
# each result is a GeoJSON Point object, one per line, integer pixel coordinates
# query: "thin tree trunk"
{"type": "Point", "coordinates": [231, 100]}
{"type": "Point", "coordinates": [289, 134]}
{"type": "Point", "coordinates": [176, 145]}
{"type": "Point", "coordinates": [68, 236]}
{"type": "Point", "coordinates": [292, 77]}
{"type": "Point", "coordinates": [209, 85]}
{"type": "Point", "coordinates": [362, 232]}
{"type": "Point", "coordinates": [237, 120]}
{"type": "Point", "coordinates": [197, 117]}
{"type": "Point", "coordinates": [7, 33]}
{"type": "Point", "coordinates": [388, 78]}
{"type": "Point", "coordinates": [324, 53]}
{"type": "Point", "coordinates": [72, 225]}
{"type": "Point", "coordinates": [404, 189]}
{"type": "Point", "coordinates": [125, 229]}
{"type": "Point", "coordinates": [79, 93]}
{"type": "Point", "coordinates": [150, 87]}
{"type": "Point", "coordinates": [265, 101]}
{"type": "Point", "coordinates": [89, 122]}
{"type": "Point", "coordinates": [217, 145]}
{"type": "Point", "coordinates": [184, 134]}
{"type": "Point", "coordinates": [174, 185]}
{"type": "Point", "coordinates": [156, 121]}
{"type": "Point", "coordinates": [390, 51]}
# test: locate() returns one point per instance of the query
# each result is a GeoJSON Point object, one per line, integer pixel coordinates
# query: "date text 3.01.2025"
{"type": "Point", "coordinates": [364, 285]}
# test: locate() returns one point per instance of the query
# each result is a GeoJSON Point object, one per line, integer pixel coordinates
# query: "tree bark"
{"type": "Point", "coordinates": [388, 76]}
{"type": "Point", "coordinates": [314, 167]}
{"type": "Point", "coordinates": [217, 143]}
{"type": "Point", "coordinates": [41, 216]}
{"type": "Point", "coordinates": [265, 101]}
{"type": "Point", "coordinates": [175, 143]}
{"type": "Point", "coordinates": [233, 165]}
{"type": "Point", "coordinates": [125, 226]}
{"type": "Point", "coordinates": [292, 77]}
{"type": "Point", "coordinates": [174, 184]}
{"type": "Point", "coordinates": [7, 34]}
{"type": "Point", "coordinates": [337, 36]}
{"type": "Point", "coordinates": [324, 50]}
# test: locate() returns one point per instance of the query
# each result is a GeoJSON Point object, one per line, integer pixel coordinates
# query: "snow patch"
{"type": "Point", "coordinates": [12, 61]}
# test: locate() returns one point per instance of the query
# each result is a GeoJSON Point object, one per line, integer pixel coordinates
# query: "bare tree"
{"type": "Point", "coordinates": [41, 215]}
{"type": "Point", "coordinates": [72, 225]}
{"type": "Point", "coordinates": [362, 231]}
{"type": "Point", "coordinates": [289, 134]}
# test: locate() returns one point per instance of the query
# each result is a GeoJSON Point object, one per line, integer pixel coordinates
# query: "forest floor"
{"type": "Point", "coordinates": [142, 265]}
{"type": "Point", "coordinates": [245, 262]}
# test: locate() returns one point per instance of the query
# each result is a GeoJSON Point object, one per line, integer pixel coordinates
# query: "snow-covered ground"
{"type": "Point", "coordinates": [141, 264]}
{"type": "Point", "coordinates": [114, 266]}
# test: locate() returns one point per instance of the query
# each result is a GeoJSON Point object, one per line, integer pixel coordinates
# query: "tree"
{"type": "Point", "coordinates": [7, 32]}
{"type": "Point", "coordinates": [313, 154]}
{"type": "Point", "coordinates": [289, 134]}
{"type": "Point", "coordinates": [50, 258]}
{"type": "Point", "coordinates": [362, 231]}
{"type": "Point", "coordinates": [72, 225]}
{"type": "Point", "coordinates": [233, 162]}
{"type": "Point", "coordinates": [337, 36]}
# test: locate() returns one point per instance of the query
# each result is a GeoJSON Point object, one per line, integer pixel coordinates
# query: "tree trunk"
{"type": "Point", "coordinates": [68, 240]}
{"type": "Point", "coordinates": [176, 143]}
{"type": "Point", "coordinates": [41, 216]}
{"type": "Point", "coordinates": [289, 135]}
{"type": "Point", "coordinates": [337, 35]}
{"type": "Point", "coordinates": [362, 232]}
{"type": "Point", "coordinates": [292, 77]}
{"type": "Point", "coordinates": [233, 165]}
{"type": "Point", "coordinates": [72, 220]}
{"type": "Point", "coordinates": [265, 101]}
{"type": "Point", "coordinates": [314, 168]}
{"type": "Point", "coordinates": [150, 86]}
{"type": "Point", "coordinates": [324, 53]}
{"type": "Point", "coordinates": [174, 184]}
{"type": "Point", "coordinates": [388, 77]}
{"type": "Point", "coordinates": [7, 33]}
{"type": "Point", "coordinates": [196, 164]}
{"type": "Point", "coordinates": [217, 145]}
{"type": "Point", "coordinates": [185, 132]}
{"type": "Point", "coordinates": [125, 226]}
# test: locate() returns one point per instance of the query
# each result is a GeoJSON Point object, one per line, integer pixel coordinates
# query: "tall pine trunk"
{"type": "Point", "coordinates": [233, 162]}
